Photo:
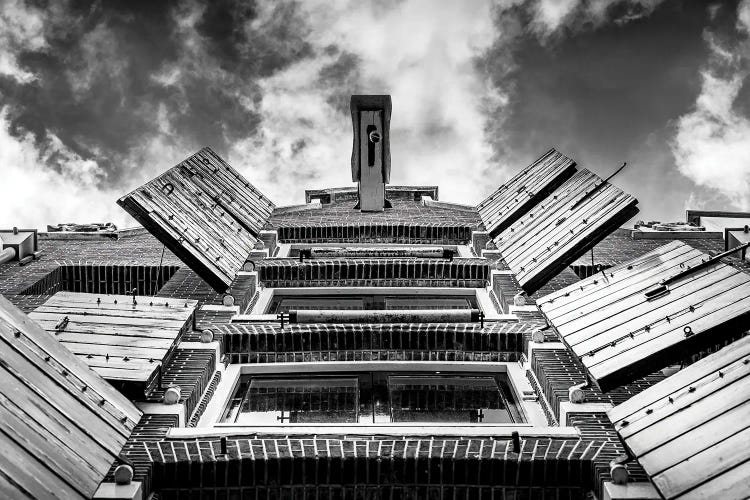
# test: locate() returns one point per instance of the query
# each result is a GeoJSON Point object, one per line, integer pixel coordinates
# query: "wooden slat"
{"type": "Point", "coordinates": [524, 190]}
{"type": "Point", "coordinates": [706, 368]}
{"type": "Point", "coordinates": [61, 425]}
{"type": "Point", "coordinates": [619, 334]}
{"type": "Point", "coordinates": [39, 342]}
{"type": "Point", "coordinates": [634, 268]}
{"type": "Point", "coordinates": [557, 230]}
{"type": "Point", "coordinates": [34, 478]}
{"type": "Point", "coordinates": [620, 283]}
{"type": "Point", "coordinates": [210, 219]}
{"type": "Point", "coordinates": [53, 443]}
{"type": "Point", "coordinates": [635, 313]}
{"type": "Point", "coordinates": [690, 433]}
{"type": "Point", "coordinates": [120, 340]}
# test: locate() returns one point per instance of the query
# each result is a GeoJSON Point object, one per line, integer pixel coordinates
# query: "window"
{"type": "Point", "coordinates": [373, 398]}
{"type": "Point", "coordinates": [284, 304]}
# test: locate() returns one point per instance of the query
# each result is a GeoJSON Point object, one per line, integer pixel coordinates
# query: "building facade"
{"type": "Point", "coordinates": [405, 348]}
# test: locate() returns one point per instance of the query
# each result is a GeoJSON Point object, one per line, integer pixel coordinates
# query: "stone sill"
{"type": "Point", "coordinates": [499, 431]}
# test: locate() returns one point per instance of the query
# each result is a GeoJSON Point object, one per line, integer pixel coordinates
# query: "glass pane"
{"type": "Point", "coordinates": [443, 398]}
{"type": "Point", "coordinates": [371, 302]}
{"type": "Point", "coordinates": [286, 304]}
{"type": "Point", "coordinates": [274, 401]}
{"type": "Point", "coordinates": [407, 302]}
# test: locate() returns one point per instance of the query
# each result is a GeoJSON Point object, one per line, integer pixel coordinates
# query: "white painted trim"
{"type": "Point", "coordinates": [568, 407]}
{"type": "Point", "coordinates": [214, 307]}
{"type": "Point", "coordinates": [462, 251]}
{"type": "Point", "coordinates": [230, 377]}
{"type": "Point", "coordinates": [532, 346]}
{"type": "Point", "coordinates": [526, 308]}
{"type": "Point", "coordinates": [374, 366]}
{"type": "Point", "coordinates": [427, 201]}
{"type": "Point", "coordinates": [531, 411]}
{"type": "Point", "coordinates": [630, 491]}
{"type": "Point", "coordinates": [265, 251]}
{"type": "Point", "coordinates": [112, 491]}
{"type": "Point", "coordinates": [313, 205]}
{"type": "Point", "coordinates": [397, 430]}
{"type": "Point", "coordinates": [212, 346]}
{"type": "Point", "coordinates": [164, 409]}
{"type": "Point", "coordinates": [283, 250]}
{"type": "Point", "coordinates": [266, 295]}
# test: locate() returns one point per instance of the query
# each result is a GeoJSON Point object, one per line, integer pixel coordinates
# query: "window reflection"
{"type": "Point", "coordinates": [377, 397]}
{"type": "Point", "coordinates": [284, 304]}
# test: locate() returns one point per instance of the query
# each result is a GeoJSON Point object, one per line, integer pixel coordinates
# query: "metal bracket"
{"type": "Point", "coordinates": [705, 263]}
{"type": "Point", "coordinates": [283, 317]}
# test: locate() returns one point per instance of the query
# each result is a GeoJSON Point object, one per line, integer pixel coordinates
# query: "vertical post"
{"type": "Point", "coordinates": [371, 185]}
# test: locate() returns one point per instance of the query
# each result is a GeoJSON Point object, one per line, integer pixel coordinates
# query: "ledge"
{"type": "Point", "coordinates": [400, 430]}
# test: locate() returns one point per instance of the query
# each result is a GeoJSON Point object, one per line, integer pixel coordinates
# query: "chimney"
{"type": "Point", "coordinates": [371, 154]}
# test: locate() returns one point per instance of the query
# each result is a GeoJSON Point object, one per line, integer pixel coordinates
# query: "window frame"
{"type": "Point", "coordinates": [258, 310]}
{"type": "Point", "coordinates": [530, 409]}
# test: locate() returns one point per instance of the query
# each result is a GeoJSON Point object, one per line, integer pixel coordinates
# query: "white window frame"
{"type": "Point", "coordinates": [460, 251]}
{"type": "Point", "coordinates": [258, 313]}
{"type": "Point", "coordinates": [530, 409]}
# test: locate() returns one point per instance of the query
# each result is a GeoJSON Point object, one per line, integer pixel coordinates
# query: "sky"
{"type": "Point", "coordinates": [97, 97]}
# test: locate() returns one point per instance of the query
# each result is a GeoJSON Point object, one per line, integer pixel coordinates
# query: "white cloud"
{"type": "Point", "coordinates": [743, 16]}
{"type": "Point", "coordinates": [549, 16]}
{"type": "Point", "coordinates": [422, 53]}
{"type": "Point", "coordinates": [711, 145]}
{"type": "Point", "coordinates": [33, 195]}
{"type": "Point", "coordinates": [21, 27]}
{"type": "Point", "coordinates": [422, 56]}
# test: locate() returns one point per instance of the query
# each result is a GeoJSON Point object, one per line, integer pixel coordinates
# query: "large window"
{"type": "Point", "coordinates": [372, 398]}
{"type": "Point", "coordinates": [283, 304]}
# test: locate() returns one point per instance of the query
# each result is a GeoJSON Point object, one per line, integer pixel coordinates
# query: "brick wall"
{"type": "Point", "coordinates": [102, 277]}
{"type": "Point", "coordinates": [191, 370]}
{"type": "Point", "coordinates": [277, 273]}
{"type": "Point", "coordinates": [246, 343]}
{"type": "Point", "coordinates": [597, 426]}
{"type": "Point", "coordinates": [151, 428]}
{"type": "Point", "coordinates": [404, 213]}
{"type": "Point", "coordinates": [405, 233]}
{"type": "Point", "coordinates": [557, 370]}
{"type": "Point", "coordinates": [374, 468]}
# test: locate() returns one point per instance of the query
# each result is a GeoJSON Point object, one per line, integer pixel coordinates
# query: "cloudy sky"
{"type": "Point", "coordinates": [98, 97]}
